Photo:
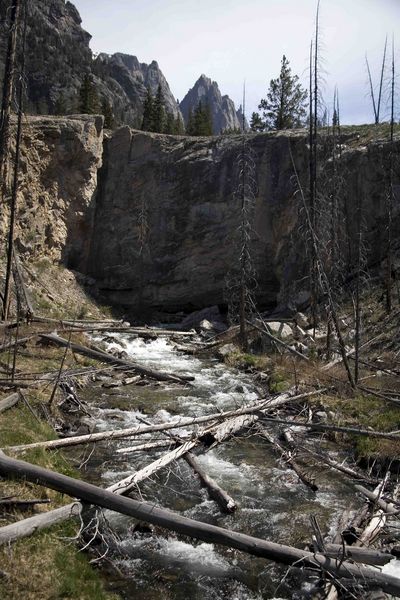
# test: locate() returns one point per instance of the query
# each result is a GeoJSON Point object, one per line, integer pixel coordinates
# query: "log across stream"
{"type": "Point", "coordinates": [272, 504]}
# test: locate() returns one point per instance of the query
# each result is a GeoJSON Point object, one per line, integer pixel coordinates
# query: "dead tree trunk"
{"type": "Point", "coordinates": [149, 513]}
{"type": "Point", "coordinates": [288, 457]}
{"type": "Point", "coordinates": [13, 207]}
{"type": "Point", "coordinates": [8, 87]}
{"type": "Point", "coordinates": [262, 406]}
{"type": "Point", "coordinates": [9, 402]}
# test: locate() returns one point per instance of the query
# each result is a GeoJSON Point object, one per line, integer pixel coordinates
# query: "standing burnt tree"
{"type": "Point", "coordinates": [390, 192]}
{"type": "Point", "coordinates": [376, 103]}
{"type": "Point", "coordinates": [241, 281]}
{"type": "Point", "coordinates": [17, 9]}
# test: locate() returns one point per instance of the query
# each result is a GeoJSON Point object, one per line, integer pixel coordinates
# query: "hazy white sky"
{"type": "Point", "coordinates": [233, 40]}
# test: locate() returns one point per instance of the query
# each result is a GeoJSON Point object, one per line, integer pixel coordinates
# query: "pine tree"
{"type": "Point", "coordinates": [179, 128]}
{"type": "Point", "coordinates": [284, 107]}
{"type": "Point", "coordinates": [147, 120]}
{"type": "Point", "coordinates": [256, 122]}
{"type": "Point", "coordinates": [169, 124]}
{"type": "Point", "coordinates": [88, 99]}
{"type": "Point", "coordinates": [108, 114]}
{"type": "Point", "coordinates": [158, 112]}
{"type": "Point", "coordinates": [190, 127]}
{"type": "Point", "coordinates": [203, 119]}
{"type": "Point", "coordinates": [200, 122]}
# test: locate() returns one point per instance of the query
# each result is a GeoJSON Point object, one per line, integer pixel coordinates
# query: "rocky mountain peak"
{"type": "Point", "coordinates": [58, 59]}
{"type": "Point", "coordinates": [222, 108]}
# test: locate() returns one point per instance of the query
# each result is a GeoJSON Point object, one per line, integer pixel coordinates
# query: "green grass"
{"type": "Point", "coordinates": [47, 566]}
{"type": "Point", "coordinates": [367, 412]}
{"type": "Point", "coordinates": [44, 566]}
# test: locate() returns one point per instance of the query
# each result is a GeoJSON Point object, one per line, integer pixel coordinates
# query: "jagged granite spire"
{"type": "Point", "coordinates": [222, 108]}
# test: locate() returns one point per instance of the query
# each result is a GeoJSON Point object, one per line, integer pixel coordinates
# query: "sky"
{"type": "Point", "coordinates": [232, 41]}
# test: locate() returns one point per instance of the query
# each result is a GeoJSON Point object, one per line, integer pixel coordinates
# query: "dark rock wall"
{"type": "Point", "coordinates": [156, 224]}
{"type": "Point", "coordinates": [166, 216]}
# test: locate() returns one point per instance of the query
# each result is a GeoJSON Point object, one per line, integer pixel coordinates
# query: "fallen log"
{"type": "Point", "coordinates": [215, 491]}
{"type": "Point", "coordinates": [9, 402]}
{"type": "Point", "coordinates": [19, 342]}
{"type": "Point", "coordinates": [146, 446]}
{"type": "Point", "coordinates": [222, 498]}
{"type": "Point", "coordinates": [115, 434]}
{"type": "Point", "coordinates": [15, 503]}
{"type": "Point", "coordinates": [129, 483]}
{"type": "Point", "coordinates": [335, 428]}
{"type": "Point", "coordinates": [12, 468]}
{"type": "Point", "coordinates": [15, 531]}
{"type": "Point", "coordinates": [27, 527]}
{"type": "Point", "coordinates": [219, 433]}
{"type": "Point", "coordinates": [333, 464]}
{"type": "Point", "coordinates": [229, 428]}
{"type": "Point", "coordinates": [109, 358]}
{"type": "Point", "coordinates": [387, 507]}
{"type": "Point", "coordinates": [377, 521]}
{"type": "Point", "coordinates": [367, 556]}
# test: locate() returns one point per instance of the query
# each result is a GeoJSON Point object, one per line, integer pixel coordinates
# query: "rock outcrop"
{"type": "Point", "coordinates": [58, 58]}
{"type": "Point", "coordinates": [223, 111]}
{"type": "Point", "coordinates": [60, 158]}
{"type": "Point", "coordinates": [123, 81]}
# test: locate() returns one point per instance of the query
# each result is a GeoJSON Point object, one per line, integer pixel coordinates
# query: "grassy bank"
{"type": "Point", "coordinates": [47, 565]}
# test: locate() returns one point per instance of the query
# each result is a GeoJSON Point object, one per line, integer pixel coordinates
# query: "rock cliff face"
{"type": "Point", "coordinates": [123, 81]}
{"type": "Point", "coordinates": [223, 111]}
{"type": "Point", "coordinates": [58, 57]}
{"type": "Point", "coordinates": [156, 224]}
{"type": "Point", "coordinates": [166, 216]}
{"type": "Point", "coordinates": [58, 54]}
{"type": "Point", "coordinates": [60, 158]}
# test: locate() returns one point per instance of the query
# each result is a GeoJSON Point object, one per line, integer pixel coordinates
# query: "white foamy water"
{"type": "Point", "coordinates": [272, 504]}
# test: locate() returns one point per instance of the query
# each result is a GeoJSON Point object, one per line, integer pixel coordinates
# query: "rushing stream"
{"type": "Point", "coordinates": [272, 504]}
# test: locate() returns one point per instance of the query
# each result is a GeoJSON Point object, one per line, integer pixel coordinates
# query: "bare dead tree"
{"type": "Point", "coordinates": [313, 160]}
{"type": "Point", "coordinates": [322, 275]}
{"type": "Point", "coordinates": [376, 105]}
{"type": "Point", "coordinates": [13, 207]}
{"type": "Point", "coordinates": [8, 87]}
{"type": "Point", "coordinates": [390, 193]}
{"type": "Point", "coordinates": [241, 278]}
{"type": "Point", "coordinates": [357, 340]}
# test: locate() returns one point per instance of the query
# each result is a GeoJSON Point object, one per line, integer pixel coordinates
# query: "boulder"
{"type": "Point", "coordinates": [282, 330]}
{"type": "Point", "coordinates": [225, 350]}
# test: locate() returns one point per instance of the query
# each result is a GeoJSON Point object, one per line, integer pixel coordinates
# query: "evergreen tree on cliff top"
{"type": "Point", "coordinates": [88, 99]}
{"type": "Point", "coordinates": [200, 121]}
{"type": "Point", "coordinates": [147, 121]}
{"type": "Point", "coordinates": [285, 104]}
